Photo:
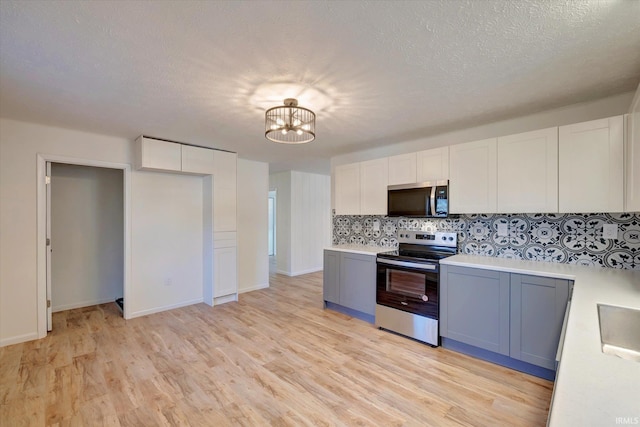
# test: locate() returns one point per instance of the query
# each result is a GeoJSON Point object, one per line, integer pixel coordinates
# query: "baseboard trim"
{"type": "Point", "coordinates": [19, 339]}
{"type": "Point", "coordinates": [301, 272]}
{"type": "Point", "coordinates": [253, 288]}
{"type": "Point", "coordinates": [225, 299]}
{"type": "Point", "coordinates": [82, 304]}
{"type": "Point", "coordinates": [164, 308]}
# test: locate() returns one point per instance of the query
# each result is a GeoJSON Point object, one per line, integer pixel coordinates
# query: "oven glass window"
{"type": "Point", "coordinates": [406, 282]}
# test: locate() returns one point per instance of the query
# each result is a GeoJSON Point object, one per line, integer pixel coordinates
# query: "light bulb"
{"type": "Point", "coordinates": [284, 131]}
{"type": "Point", "coordinates": [274, 127]}
{"type": "Point", "coordinates": [299, 131]}
{"type": "Point", "coordinates": [280, 122]}
{"type": "Point", "coordinates": [306, 127]}
{"type": "Point", "coordinates": [296, 122]}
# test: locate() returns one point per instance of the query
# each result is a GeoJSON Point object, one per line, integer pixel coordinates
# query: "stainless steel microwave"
{"type": "Point", "coordinates": [423, 199]}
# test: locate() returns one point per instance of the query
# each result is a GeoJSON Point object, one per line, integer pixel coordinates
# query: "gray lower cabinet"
{"type": "Point", "coordinates": [514, 315]}
{"type": "Point", "coordinates": [350, 280]}
{"type": "Point", "coordinates": [474, 307]}
{"type": "Point", "coordinates": [358, 282]}
{"type": "Point", "coordinates": [537, 312]}
{"type": "Point", "coordinates": [331, 277]}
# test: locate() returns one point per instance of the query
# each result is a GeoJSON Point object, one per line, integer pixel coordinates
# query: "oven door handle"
{"type": "Point", "coordinates": [407, 264]}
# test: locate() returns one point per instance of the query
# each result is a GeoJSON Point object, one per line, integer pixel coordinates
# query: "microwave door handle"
{"type": "Point", "coordinates": [433, 201]}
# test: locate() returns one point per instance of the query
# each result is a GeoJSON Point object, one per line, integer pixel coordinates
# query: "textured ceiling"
{"type": "Point", "coordinates": [187, 71]}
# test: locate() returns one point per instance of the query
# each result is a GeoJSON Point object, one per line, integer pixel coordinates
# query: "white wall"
{"type": "Point", "coordinates": [253, 258]}
{"type": "Point", "coordinates": [166, 241]}
{"type": "Point", "coordinates": [310, 221]}
{"type": "Point", "coordinates": [165, 208]}
{"type": "Point", "coordinates": [87, 231]}
{"type": "Point", "coordinates": [303, 220]}
{"type": "Point", "coordinates": [576, 113]}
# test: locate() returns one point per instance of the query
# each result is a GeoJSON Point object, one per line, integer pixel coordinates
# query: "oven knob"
{"type": "Point", "coordinates": [444, 238]}
{"type": "Point", "coordinates": [425, 298]}
{"type": "Point", "coordinates": [451, 239]}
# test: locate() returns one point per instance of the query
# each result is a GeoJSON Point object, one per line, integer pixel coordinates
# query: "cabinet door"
{"type": "Point", "coordinates": [225, 271]}
{"type": "Point", "coordinates": [347, 189]}
{"type": "Point", "coordinates": [224, 191]}
{"type": "Point", "coordinates": [358, 282]}
{"type": "Point", "coordinates": [402, 169]}
{"type": "Point", "coordinates": [472, 177]}
{"type": "Point", "coordinates": [591, 165]}
{"type": "Point", "coordinates": [331, 277]}
{"type": "Point", "coordinates": [528, 172]}
{"type": "Point", "coordinates": [197, 160]}
{"type": "Point", "coordinates": [433, 165]}
{"type": "Point", "coordinates": [373, 187]}
{"type": "Point", "coordinates": [154, 154]}
{"type": "Point", "coordinates": [474, 307]}
{"type": "Point", "coordinates": [633, 158]}
{"type": "Point", "coordinates": [537, 312]}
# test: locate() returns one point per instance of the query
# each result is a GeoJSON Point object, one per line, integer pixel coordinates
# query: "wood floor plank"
{"type": "Point", "coordinates": [275, 357]}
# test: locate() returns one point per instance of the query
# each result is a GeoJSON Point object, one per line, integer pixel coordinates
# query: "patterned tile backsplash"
{"type": "Point", "coordinates": [563, 238]}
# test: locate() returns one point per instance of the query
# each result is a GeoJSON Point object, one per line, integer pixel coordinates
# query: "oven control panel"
{"type": "Point", "coordinates": [439, 238]}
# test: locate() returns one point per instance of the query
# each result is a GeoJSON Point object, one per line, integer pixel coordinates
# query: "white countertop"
{"type": "Point", "coordinates": [592, 388]}
{"type": "Point", "coordinates": [359, 249]}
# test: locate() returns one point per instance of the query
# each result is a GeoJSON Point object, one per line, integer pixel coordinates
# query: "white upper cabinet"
{"type": "Point", "coordinates": [373, 187]}
{"type": "Point", "coordinates": [361, 188]}
{"type": "Point", "coordinates": [155, 154]}
{"type": "Point", "coordinates": [633, 157]}
{"type": "Point", "coordinates": [224, 191]}
{"type": "Point", "coordinates": [472, 177]}
{"type": "Point", "coordinates": [197, 160]}
{"type": "Point", "coordinates": [591, 166]}
{"type": "Point", "coordinates": [528, 172]}
{"type": "Point", "coordinates": [347, 189]}
{"type": "Point", "coordinates": [402, 169]}
{"type": "Point", "coordinates": [433, 165]}
{"type": "Point", "coordinates": [158, 155]}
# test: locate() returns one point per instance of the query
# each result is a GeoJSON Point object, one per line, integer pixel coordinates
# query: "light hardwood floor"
{"type": "Point", "coordinates": [274, 358]}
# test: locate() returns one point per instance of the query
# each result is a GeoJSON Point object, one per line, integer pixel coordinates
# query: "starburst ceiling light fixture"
{"type": "Point", "coordinates": [290, 124]}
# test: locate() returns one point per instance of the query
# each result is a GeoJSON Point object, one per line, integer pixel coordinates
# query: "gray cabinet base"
{"type": "Point", "coordinates": [498, 359]}
{"type": "Point", "coordinates": [350, 312]}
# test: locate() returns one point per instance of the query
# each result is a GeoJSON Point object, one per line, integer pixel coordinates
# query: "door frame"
{"type": "Point", "coordinates": [273, 195]}
{"type": "Point", "coordinates": [41, 228]}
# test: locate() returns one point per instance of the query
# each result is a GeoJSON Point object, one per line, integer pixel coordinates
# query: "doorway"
{"type": "Point", "coordinates": [272, 230]}
{"type": "Point", "coordinates": [86, 232]}
{"type": "Point", "coordinates": [118, 259]}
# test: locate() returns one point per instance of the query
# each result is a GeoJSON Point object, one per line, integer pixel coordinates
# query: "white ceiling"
{"type": "Point", "coordinates": [191, 71]}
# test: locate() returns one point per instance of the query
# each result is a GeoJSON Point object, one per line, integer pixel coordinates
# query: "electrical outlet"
{"type": "Point", "coordinates": [376, 226]}
{"type": "Point", "coordinates": [168, 281]}
{"type": "Point", "coordinates": [610, 231]}
{"type": "Point", "coordinates": [503, 230]}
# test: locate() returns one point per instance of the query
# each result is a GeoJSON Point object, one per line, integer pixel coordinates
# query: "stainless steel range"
{"type": "Point", "coordinates": [407, 284]}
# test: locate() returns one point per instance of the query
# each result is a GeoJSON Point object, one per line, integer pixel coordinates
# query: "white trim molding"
{"type": "Point", "coordinates": [299, 273]}
{"type": "Point", "coordinates": [253, 288]}
{"type": "Point", "coordinates": [164, 308]}
{"type": "Point", "coordinates": [19, 339]}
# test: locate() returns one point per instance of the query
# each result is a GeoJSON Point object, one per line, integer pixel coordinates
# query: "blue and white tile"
{"type": "Point", "coordinates": [622, 259]}
{"type": "Point", "coordinates": [549, 253]}
{"type": "Point", "coordinates": [572, 238]}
